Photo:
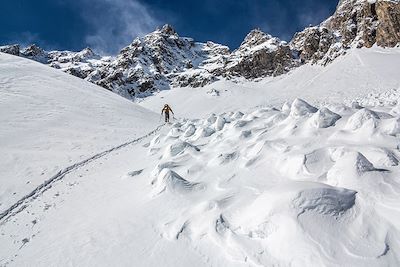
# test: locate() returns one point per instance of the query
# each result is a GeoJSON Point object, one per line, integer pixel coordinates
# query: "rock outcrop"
{"type": "Point", "coordinates": [155, 61]}
{"type": "Point", "coordinates": [356, 23]}
{"type": "Point", "coordinates": [10, 49]}
{"type": "Point", "coordinates": [388, 30]}
{"type": "Point", "coordinates": [260, 55]}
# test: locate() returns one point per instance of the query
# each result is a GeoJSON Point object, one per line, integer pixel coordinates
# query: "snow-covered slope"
{"type": "Point", "coordinates": [297, 186]}
{"type": "Point", "coordinates": [88, 178]}
{"type": "Point", "coordinates": [359, 72]}
{"type": "Point", "coordinates": [51, 120]}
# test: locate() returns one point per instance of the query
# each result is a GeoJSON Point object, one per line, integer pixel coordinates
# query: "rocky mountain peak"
{"type": "Point", "coordinates": [167, 30]}
{"type": "Point", "coordinates": [156, 61]}
{"type": "Point", "coordinates": [260, 55]}
{"type": "Point", "coordinates": [10, 49]}
{"type": "Point", "coordinates": [33, 50]}
{"type": "Point", "coordinates": [256, 37]}
{"type": "Point", "coordinates": [355, 23]}
{"type": "Point", "coordinates": [87, 52]}
{"type": "Point", "coordinates": [258, 40]}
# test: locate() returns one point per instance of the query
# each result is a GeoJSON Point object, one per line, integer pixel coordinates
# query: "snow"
{"type": "Point", "coordinates": [286, 171]}
{"type": "Point", "coordinates": [52, 120]}
{"type": "Point", "coordinates": [361, 71]}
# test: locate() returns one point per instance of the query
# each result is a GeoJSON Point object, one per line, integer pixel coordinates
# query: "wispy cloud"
{"type": "Point", "coordinates": [24, 38]}
{"type": "Point", "coordinates": [115, 23]}
{"type": "Point", "coordinates": [313, 17]}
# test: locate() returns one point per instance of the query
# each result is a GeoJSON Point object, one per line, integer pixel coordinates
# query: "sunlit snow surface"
{"type": "Point", "coordinates": [313, 183]}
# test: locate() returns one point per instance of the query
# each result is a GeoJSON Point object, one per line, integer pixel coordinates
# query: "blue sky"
{"type": "Point", "coordinates": [109, 25]}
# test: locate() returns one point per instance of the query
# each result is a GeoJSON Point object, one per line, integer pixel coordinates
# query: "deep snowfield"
{"type": "Point", "coordinates": [290, 185]}
{"type": "Point", "coordinates": [50, 120]}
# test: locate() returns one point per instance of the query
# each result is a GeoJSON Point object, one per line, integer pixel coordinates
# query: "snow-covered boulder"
{"type": "Point", "coordinates": [391, 126]}
{"type": "Point", "coordinates": [301, 108]}
{"type": "Point", "coordinates": [362, 117]}
{"type": "Point", "coordinates": [211, 119]}
{"type": "Point", "coordinates": [219, 123]}
{"type": "Point", "coordinates": [324, 118]}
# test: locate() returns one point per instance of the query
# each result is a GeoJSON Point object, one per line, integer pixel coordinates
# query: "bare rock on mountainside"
{"type": "Point", "coordinates": [79, 64]}
{"type": "Point", "coordinates": [156, 61]}
{"type": "Point", "coordinates": [162, 59]}
{"type": "Point", "coordinates": [313, 43]}
{"type": "Point", "coordinates": [142, 65]}
{"type": "Point", "coordinates": [36, 53]}
{"type": "Point", "coordinates": [10, 49]}
{"type": "Point", "coordinates": [260, 55]}
{"type": "Point", "coordinates": [356, 23]}
{"type": "Point", "coordinates": [388, 31]}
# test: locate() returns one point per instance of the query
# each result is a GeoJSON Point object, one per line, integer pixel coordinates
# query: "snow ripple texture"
{"type": "Point", "coordinates": [291, 186]}
{"type": "Point", "coordinates": [275, 185]}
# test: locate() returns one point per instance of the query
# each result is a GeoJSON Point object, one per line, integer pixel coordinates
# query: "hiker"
{"type": "Point", "coordinates": [166, 111]}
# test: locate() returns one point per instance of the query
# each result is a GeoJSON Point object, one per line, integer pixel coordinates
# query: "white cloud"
{"type": "Point", "coordinates": [116, 23]}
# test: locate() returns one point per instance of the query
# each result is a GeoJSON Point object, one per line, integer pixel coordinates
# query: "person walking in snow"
{"type": "Point", "coordinates": [166, 111]}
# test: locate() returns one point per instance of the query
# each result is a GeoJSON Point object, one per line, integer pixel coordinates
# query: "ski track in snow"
{"type": "Point", "coordinates": [248, 184]}
{"type": "Point", "coordinates": [21, 204]}
{"type": "Point", "coordinates": [290, 186]}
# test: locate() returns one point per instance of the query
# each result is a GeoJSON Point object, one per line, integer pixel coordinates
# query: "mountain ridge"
{"type": "Point", "coordinates": [162, 59]}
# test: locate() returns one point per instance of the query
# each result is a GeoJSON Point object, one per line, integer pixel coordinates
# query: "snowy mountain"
{"type": "Point", "coordinates": [89, 178]}
{"type": "Point", "coordinates": [79, 64]}
{"type": "Point", "coordinates": [153, 62]}
{"type": "Point", "coordinates": [350, 77]}
{"type": "Point", "coordinates": [162, 59]}
{"type": "Point", "coordinates": [280, 154]}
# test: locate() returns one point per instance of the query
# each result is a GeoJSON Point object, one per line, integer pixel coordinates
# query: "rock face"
{"type": "Point", "coordinates": [260, 55]}
{"type": "Point", "coordinates": [10, 49]}
{"type": "Point", "coordinates": [162, 59]}
{"type": "Point", "coordinates": [313, 43]}
{"type": "Point", "coordinates": [388, 30]}
{"type": "Point", "coordinates": [356, 23]}
{"type": "Point", "coordinates": [35, 53]}
{"type": "Point", "coordinates": [157, 60]}
{"type": "Point", "coordinates": [79, 64]}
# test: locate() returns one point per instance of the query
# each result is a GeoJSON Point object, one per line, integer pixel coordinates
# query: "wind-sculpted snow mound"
{"type": "Point", "coordinates": [178, 148]}
{"type": "Point", "coordinates": [275, 176]}
{"type": "Point", "coordinates": [301, 108]}
{"type": "Point", "coordinates": [361, 118]}
{"type": "Point", "coordinates": [327, 201]}
{"type": "Point", "coordinates": [170, 180]}
{"type": "Point", "coordinates": [324, 118]}
{"type": "Point", "coordinates": [299, 186]}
